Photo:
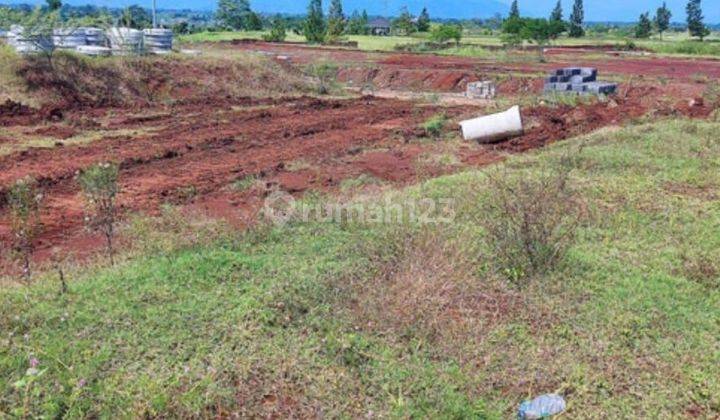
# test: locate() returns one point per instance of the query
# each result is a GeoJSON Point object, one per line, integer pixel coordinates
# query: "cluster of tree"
{"type": "Point", "coordinates": [237, 15]}
{"type": "Point", "coordinates": [407, 24]}
{"type": "Point", "coordinates": [446, 32]}
{"type": "Point", "coordinates": [517, 29]}
{"type": "Point", "coordinates": [182, 21]}
{"type": "Point", "coordinates": [317, 28]}
{"type": "Point", "coordinates": [65, 15]}
{"type": "Point", "coordinates": [661, 22]}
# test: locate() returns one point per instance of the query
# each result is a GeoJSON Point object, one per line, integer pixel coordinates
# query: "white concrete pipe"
{"type": "Point", "coordinates": [492, 128]}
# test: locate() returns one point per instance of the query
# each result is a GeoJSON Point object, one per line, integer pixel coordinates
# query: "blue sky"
{"type": "Point", "coordinates": [596, 10]}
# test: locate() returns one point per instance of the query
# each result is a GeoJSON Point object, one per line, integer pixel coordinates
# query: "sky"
{"type": "Point", "coordinates": [595, 10]}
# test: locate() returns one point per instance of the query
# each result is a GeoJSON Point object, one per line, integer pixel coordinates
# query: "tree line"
{"type": "Point", "coordinates": [517, 29]}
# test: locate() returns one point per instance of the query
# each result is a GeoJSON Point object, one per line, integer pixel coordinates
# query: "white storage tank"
{"type": "Point", "coordinates": [28, 44]}
{"type": "Point", "coordinates": [94, 51]}
{"type": "Point", "coordinates": [125, 41]}
{"type": "Point", "coordinates": [158, 41]}
{"type": "Point", "coordinates": [69, 39]}
{"type": "Point", "coordinates": [95, 37]}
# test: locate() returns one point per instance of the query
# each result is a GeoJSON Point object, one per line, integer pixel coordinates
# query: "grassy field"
{"type": "Point", "coordinates": [351, 320]}
{"type": "Point", "coordinates": [673, 43]}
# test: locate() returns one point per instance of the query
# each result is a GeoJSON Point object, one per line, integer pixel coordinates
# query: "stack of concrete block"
{"type": "Point", "coordinates": [481, 90]}
{"type": "Point", "coordinates": [578, 80]}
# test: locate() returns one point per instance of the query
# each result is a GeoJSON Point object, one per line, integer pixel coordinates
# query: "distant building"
{"type": "Point", "coordinates": [379, 27]}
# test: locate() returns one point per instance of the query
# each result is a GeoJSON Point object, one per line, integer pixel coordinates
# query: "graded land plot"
{"type": "Point", "coordinates": [189, 144]}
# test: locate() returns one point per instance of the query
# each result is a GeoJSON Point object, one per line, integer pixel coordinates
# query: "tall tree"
{"type": "Point", "coordinates": [253, 22]}
{"type": "Point", "coordinates": [644, 26]}
{"type": "Point", "coordinates": [53, 4]}
{"type": "Point", "coordinates": [136, 17]}
{"type": "Point", "coordinates": [404, 24]}
{"type": "Point", "coordinates": [662, 19]}
{"type": "Point", "coordinates": [336, 19]}
{"type": "Point", "coordinates": [357, 24]}
{"type": "Point", "coordinates": [278, 30]}
{"type": "Point", "coordinates": [577, 18]}
{"type": "Point", "coordinates": [233, 13]}
{"type": "Point", "coordinates": [514, 10]}
{"type": "Point", "coordinates": [423, 22]}
{"type": "Point", "coordinates": [540, 32]}
{"type": "Point", "coordinates": [557, 13]}
{"type": "Point", "coordinates": [314, 28]}
{"type": "Point", "coordinates": [695, 19]}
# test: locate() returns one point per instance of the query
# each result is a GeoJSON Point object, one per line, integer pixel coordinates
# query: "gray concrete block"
{"type": "Point", "coordinates": [582, 79]}
{"type": "Point", "coordinates": [602, 88]}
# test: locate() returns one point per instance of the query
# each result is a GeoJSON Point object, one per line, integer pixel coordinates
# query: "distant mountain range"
{"type": "Point", "coordinates": [595, 10]}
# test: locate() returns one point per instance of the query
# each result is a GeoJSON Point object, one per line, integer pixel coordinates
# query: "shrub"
{"type": "Point", "coordinates": [278, 31]}
{"type": "Point", "coordinates": [435, 124]}
{"type": "Point", "coordinates": [445, 33]}
{"type": "Point", "coordinates": [99, 184]}
{"type": "Point", "coordinates": [325, 74]}
{"type": "Point", "coordinates": [24, 202]}
{"type": "Point", "coordinates": [530, 221]}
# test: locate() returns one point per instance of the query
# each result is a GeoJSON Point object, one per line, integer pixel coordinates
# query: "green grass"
{"type": "Point", "coordinates": [671, 44]}
{"type": "Point", "coordinates": [231, 35]}
{"type": "Point", "coordinates": [342, 319]}
{"type": "Point", "coordinates": [684, 47]}
{"type": "Point", "coordinates": [11, 86]}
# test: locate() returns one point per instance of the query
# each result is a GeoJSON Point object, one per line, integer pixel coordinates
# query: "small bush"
{"type": "Point", "coordinates": [24, 203]}
{"type": "Point", "coordinates": [99, 184]}
{"type": "Point", "coordinates": [325, 74]}
{"type": "Point", "coordinates": [530, 221]}
{"type": "Point", "coordinates": [278, 31]}
{"type": "Point", "coordinates": [434, 125]}
{"type": "Point", "coordinates": [445, 32]}
{"type": "Point", "coordinates": [712, 94]}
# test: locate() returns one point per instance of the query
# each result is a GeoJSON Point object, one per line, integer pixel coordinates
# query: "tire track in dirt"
{"type": "Point", "coordinates": [206, 151]}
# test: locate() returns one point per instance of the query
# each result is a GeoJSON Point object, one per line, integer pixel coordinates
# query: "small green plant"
{"type": "Point", "coordinates": [186, 194]}
{"type": "Point", "coordinates": [359, 182]}
{"type": "Point", "coordinates": [712, 94]}
{"type": "Point", "coordinates": [244, 183]}
{"type": "Point", "coordinates": [434, 125]}
{"type": "Point", "coordinates": [325, 74]}
{"type": "Point", "coordinates": [99, 184]}
{"type": "Point", "coordinates": [529, 222]}
{"type": "Point", "coordinates": [24, 201]}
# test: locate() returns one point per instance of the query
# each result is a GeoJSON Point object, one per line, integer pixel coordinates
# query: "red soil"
{"type": "Point", "coordinates": [294, 144]}
{"type": "Point", "coordinates": [444, 73]}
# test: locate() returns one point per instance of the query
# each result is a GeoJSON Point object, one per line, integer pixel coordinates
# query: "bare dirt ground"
{"type": "Point", "coordinates": [448, 73]}
{"type": "Point", "coordinates": [193, 153]}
